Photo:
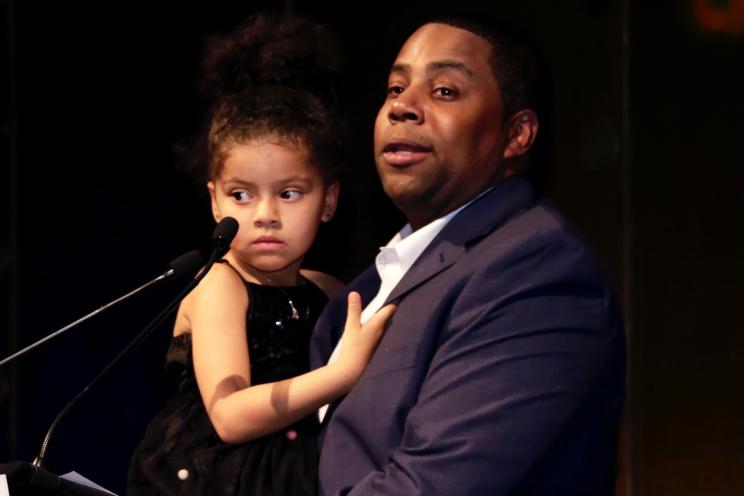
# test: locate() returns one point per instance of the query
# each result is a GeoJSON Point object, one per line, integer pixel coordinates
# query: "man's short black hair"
{"type": "Point", "coordinates": [516, 62]}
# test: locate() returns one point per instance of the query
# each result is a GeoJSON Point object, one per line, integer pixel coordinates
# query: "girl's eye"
{"type": "Point", "coordinates": [445, 92]}
{"type": "Point", "coordinates": [290, 194]}
{"type": "Point", "coordinates": [241, 196]}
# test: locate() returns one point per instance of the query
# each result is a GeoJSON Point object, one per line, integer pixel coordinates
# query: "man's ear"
{"type": "Point", "coordinates": [522, 130]}
{"type": "Point", "coordinates": [213, 196]}
{"type": "Point", "coordinates": [330, 202]}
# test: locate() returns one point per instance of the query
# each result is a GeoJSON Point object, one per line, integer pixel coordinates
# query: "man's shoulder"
{"type": "Point", "coordinates": [538, 242]}
{"type": "Point", "coordinates": [506, 210]}
{"type": "Point", "coordinates": [540, 223]}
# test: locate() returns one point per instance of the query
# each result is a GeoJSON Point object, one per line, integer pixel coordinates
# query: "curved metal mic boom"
{"type": "Point", "coordinates": [188, 262]}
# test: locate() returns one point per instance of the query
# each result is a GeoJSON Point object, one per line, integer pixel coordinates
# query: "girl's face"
{"type": "Point", "coordinates": [279, 199]}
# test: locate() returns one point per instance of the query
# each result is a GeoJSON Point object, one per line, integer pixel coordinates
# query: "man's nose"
{"type": "Point", "coordinates": [267, 214]}
{"type": "Point", "coordinates": [405, 108]}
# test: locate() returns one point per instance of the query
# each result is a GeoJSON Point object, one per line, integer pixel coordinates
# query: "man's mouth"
{"type": "Point", "coordinates": [402, 153]}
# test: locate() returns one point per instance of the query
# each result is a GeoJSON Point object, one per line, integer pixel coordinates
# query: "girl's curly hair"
{"type": "Point", "coordinates": [274, 77]}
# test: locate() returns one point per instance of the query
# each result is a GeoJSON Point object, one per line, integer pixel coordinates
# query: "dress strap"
{"type": "Point", "coordinates": [227, 262]}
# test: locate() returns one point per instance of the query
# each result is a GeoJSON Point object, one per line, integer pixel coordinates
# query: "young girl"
{"type": "Point", "coordinates": [242, 415]}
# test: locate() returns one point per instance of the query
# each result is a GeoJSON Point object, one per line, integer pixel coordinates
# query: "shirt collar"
{"type": "Point", "coordinates": [409, 244]}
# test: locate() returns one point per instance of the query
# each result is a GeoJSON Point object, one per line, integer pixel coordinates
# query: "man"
{"type": "Point", "coordinates": [501, 371]}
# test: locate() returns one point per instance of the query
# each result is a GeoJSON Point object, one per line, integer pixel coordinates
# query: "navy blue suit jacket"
{"type": "Point", "coordinates": [501, 372]}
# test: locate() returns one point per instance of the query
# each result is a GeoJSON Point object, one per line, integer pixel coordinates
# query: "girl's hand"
{"type": "Point", "coordinates": [360, 341]}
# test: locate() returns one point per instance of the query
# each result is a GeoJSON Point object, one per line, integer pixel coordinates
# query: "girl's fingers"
{"type": "Point", "coordinates": [354, 310]}
{"type": "Point", "coordinates": [381, 316]}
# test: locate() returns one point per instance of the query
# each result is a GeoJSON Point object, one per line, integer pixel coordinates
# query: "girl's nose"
{"type": "Point", "coordinates": [266, 215]}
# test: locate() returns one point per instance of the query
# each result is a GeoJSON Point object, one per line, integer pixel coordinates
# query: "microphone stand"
{"type": "Point", "coordinates": [33, 480]}
{"type": "Point", "coordinates": [221, 238]}
{"type": "Point", "coordinates": [138, 339]}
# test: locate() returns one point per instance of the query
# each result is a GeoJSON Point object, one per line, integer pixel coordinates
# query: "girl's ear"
{"type": "Point", "coordinates": [213, 196]}
{"type": "Point", "coordinates": [522, 128]}
{"type": "Point", "coordinates": [330, 202]}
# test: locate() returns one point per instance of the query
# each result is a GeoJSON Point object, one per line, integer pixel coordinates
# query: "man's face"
{"type": "Point", "coordinates": [439, 136]}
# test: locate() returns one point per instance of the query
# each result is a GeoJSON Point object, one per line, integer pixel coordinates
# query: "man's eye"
{"type": "Point", "coordinates": [291, 194]}
{"type": "Point", "coordinates": [241, 196]}
{"type": "Point", "coordinates": [445, 92]}
{"type": "Point", "coordinates": [395, 90]}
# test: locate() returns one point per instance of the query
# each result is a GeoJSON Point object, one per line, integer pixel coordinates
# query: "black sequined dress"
{"type": "Point", "coordinates": [182, 454]}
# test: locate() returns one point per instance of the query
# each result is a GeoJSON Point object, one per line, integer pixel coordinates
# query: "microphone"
{"type": "Point", "coordinates": [222, 236]}
{"type": "Point", "coordinates": [184, 264]}
{"type": "Point", "coordinates": [179, 266]}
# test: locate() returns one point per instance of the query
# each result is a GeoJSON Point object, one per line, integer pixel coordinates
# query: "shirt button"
{"type": "Point", "coordinates": [291, 434]}
{"type": "Point", "coordinates": [183, 474]}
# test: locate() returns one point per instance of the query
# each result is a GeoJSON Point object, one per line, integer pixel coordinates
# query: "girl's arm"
{"type": "Point", "coordinates": [216, 315]}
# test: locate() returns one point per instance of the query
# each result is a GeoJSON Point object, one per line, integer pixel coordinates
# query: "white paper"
{"type": "Point", "coordinates": [4, 491]}
{"type": "Point", "coordinates": [75, 477]}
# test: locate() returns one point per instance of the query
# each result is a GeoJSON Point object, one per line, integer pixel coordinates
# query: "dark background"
{"type": "Point", "coordinates": [645, 159]}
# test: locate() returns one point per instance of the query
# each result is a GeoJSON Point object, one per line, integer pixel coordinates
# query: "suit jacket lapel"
{"type": "Point", "coordinates": [474, 222]}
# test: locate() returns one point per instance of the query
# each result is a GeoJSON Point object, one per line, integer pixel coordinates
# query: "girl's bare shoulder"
{"type": "Point", "coordinates": [220, 290]}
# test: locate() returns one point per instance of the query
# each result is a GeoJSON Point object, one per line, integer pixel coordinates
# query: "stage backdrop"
{"type": "Point", "coordinates": [644, 158]}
